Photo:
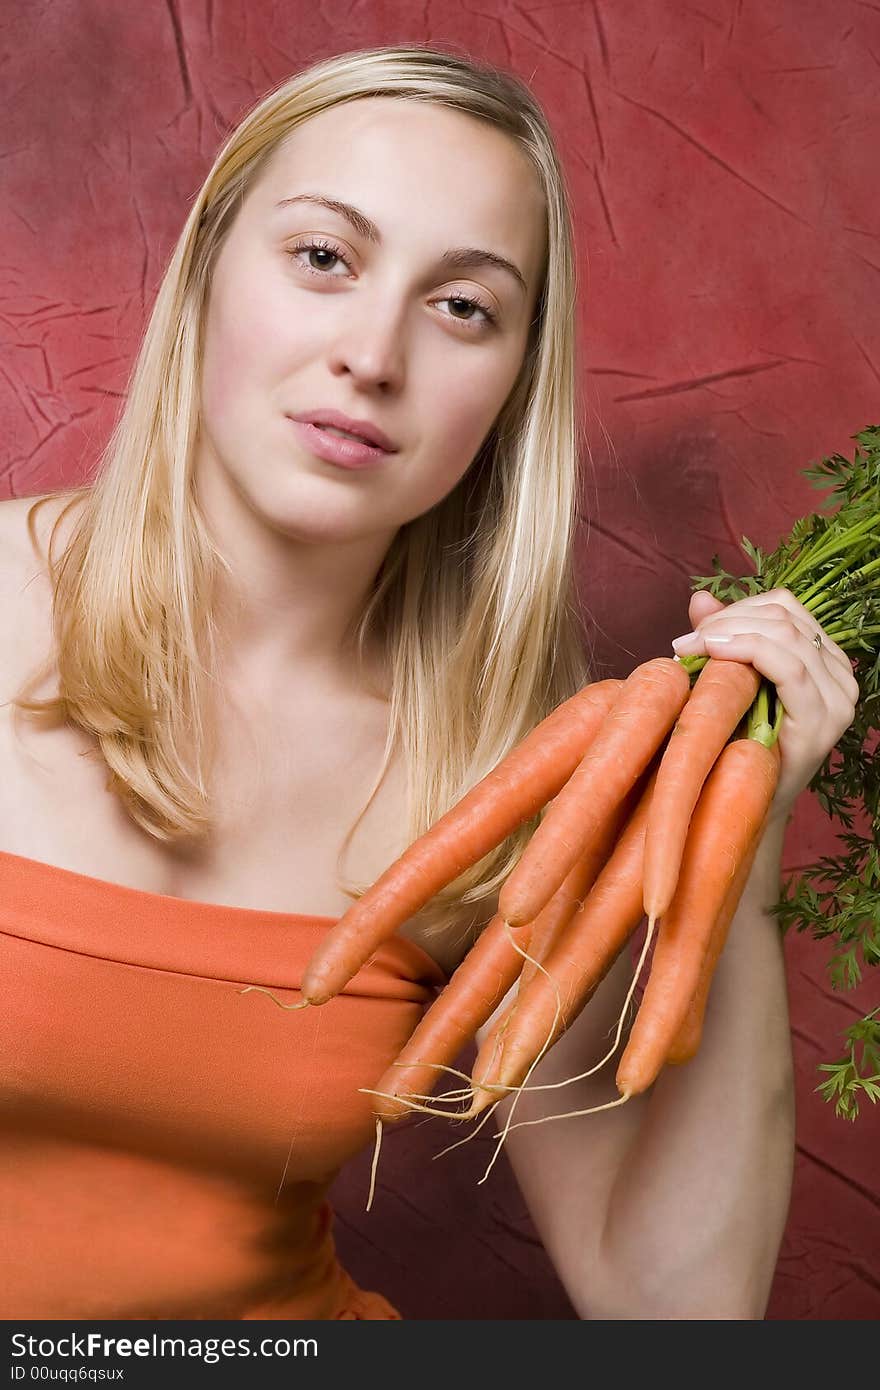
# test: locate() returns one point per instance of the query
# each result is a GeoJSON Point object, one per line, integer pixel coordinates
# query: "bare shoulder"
{"type": "Point", "coordinates": [18, 558]}
{"type": "Point", "coordinates": [25, 589]}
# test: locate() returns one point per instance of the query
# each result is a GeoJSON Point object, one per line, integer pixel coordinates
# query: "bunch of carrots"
{"type": "Point", "coordinates": [638, 774]}
{"type": "Point", "coordinates": [656, 791]}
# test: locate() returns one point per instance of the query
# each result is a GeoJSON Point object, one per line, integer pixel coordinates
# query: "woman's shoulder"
{"type": "Point", "coordinates": [16, 544]}
{"type": "Point", "coordinates": [19, 564]}
{"type": "Point", "coordinates": [25, 589]}
{"type": "Point", "coordinates": [17, 550]}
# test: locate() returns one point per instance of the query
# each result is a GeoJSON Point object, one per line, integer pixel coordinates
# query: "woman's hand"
{"type": "Point", "coordinates": [776, 634]}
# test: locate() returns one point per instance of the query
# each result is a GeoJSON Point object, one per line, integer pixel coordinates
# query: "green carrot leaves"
{"type": "Point", "coordinates": [846, 1078]}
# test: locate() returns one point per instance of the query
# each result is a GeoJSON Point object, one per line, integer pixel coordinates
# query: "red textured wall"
{"type": "Point", "coordinates": [723, 162]}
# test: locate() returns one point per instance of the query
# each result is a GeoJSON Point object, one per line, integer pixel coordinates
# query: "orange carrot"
{"type": "Point", "coordinates": [578, 962]}
{"type": "Point", "coordinates": [569, 898]}
{"type": "Point", "coordinates": [521, 784]}
{"type": "Point", "coordinates": [550, 922]}
{"type": "Point", "coordinates": [489, 1053]}
{"type": "Point", "coordinates": [644, 712]}
{"type": "Point", "coordinates": [474, 991]}
{"type": "Point", "coordinates": [731, 808]}
{"type": "Point", "coordinates": [723, 692]}
{"type": "Point", "coordinates": [686, 1042]}
{"type": "Point", "coordinates": [480, 983]}
{"type": "Point", "coordinates": [560, 909]}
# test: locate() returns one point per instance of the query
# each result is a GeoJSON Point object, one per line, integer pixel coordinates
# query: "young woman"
{"type": "Point", "coordinates": [268, 656]}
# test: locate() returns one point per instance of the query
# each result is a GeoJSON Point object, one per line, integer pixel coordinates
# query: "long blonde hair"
{"type": "Point", "coordinates": [474, 602]}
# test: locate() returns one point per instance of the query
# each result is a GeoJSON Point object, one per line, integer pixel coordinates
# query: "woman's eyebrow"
{"type": "Point", "coordinates": [460, 258]}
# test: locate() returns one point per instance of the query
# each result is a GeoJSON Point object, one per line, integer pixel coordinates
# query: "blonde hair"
{"type": "Point", "coordinates": [474, 603]}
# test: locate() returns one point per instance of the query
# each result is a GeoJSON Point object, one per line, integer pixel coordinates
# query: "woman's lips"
{"type": "Point", "coordinates": [347, 453]}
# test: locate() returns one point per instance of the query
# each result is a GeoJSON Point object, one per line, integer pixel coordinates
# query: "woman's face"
{"type": "Point", "coordinates": [372, 326]}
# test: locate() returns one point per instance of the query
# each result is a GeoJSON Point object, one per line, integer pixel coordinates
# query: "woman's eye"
{"type": "Point", "coordinates": [328, 251]}
{"type": "Point", "coordinates": [321, 248]}
{"type": "Point", "coordinates": [488, 316]}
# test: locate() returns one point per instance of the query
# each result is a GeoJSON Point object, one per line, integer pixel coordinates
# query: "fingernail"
{"type": "Point", "coordinates": [689, 639]}
{"type": "Point", "coordinates": [717, 637]}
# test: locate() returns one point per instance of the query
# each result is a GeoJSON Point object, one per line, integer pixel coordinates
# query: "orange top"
{"type": "Point", "coordinates": [166, 1142]}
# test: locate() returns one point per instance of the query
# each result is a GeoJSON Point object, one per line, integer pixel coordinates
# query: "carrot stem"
{"type": "Point", "coordinates": [821, 551]}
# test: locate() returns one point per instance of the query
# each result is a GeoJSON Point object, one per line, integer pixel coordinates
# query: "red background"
{"type": "Point", "coordinates": [723, 162]}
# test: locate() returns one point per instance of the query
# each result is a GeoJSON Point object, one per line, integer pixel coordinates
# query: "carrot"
{"type": "Point", "coordinates": [644, 712]}
{"type": "Point", "coordinates": [686, 1042]}
{"type": "Point", "coordinates": [577, 963]}
{"type": "Point", "coordinates": [489, 1051]}
{"type": "Point", "coordinates": [478, 986]}
{"type": "Point", "coordinates": [569, 898]}
{"type": "Point", "coordinates": [731, 808]}
{"type": "Point", "coordinates": [723, 692]}
{"type": "Point", "coordinates": [474, 991]}
{"type": "Point", "coordinates": [480, 983]}
{"type": "Point", "coordinates": [545, 929]}
{"type": "Point", "coordinates": [552, 917]}
{"type": "Point", "coordinates": [516, 789]}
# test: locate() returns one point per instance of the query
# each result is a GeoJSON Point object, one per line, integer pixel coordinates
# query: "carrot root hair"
{"type": "Point", "coordinates": [555, 1085]}
{"type": "Point", "coordinates": [375, 1163]}
{"type": "Point", "coordinates": [473, 1134]}
{"type": "Point", "coordinates": [414, 1065]}
{"type": "Point", "coordinates": [566, 1115]}
{"type": "Point", "coordinates": [259, 989]}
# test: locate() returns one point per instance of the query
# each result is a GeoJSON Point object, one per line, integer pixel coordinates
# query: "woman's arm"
{"type": "Point", "coordinates": [672, 1205]}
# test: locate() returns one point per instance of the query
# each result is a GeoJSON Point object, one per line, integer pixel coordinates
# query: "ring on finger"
{"type": "Point", "coordinates": [817, 641]}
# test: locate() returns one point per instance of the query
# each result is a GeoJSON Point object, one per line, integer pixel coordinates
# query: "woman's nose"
{"type": "Point", "coordinates": [370, 346]}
